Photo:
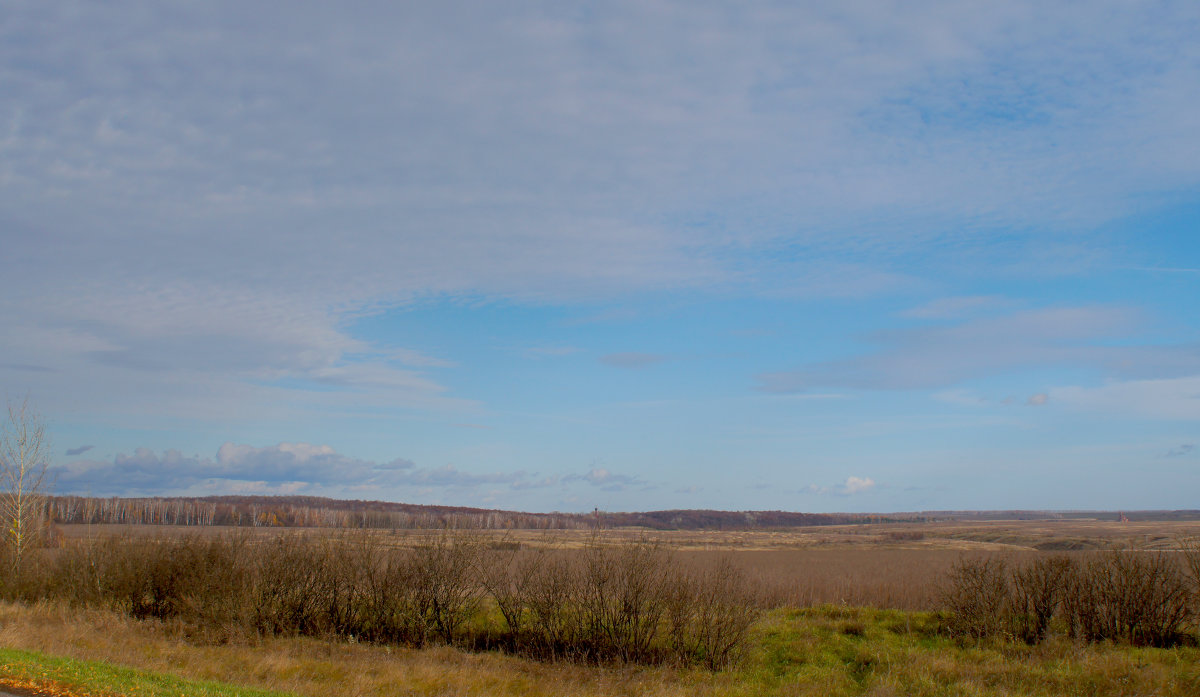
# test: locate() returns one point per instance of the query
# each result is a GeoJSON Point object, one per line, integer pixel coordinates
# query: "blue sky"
{"type": "Point", "coordinates": [555, 256]}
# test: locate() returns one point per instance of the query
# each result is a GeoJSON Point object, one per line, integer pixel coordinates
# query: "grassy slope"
{"type": "Point", "coordinates": [823, 651]}
{"type": "Point", "coordinates": [55, 675]}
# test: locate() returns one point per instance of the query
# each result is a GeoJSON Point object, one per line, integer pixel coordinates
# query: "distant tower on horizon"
{"type": "Point", "coordinates": [1123, 517]}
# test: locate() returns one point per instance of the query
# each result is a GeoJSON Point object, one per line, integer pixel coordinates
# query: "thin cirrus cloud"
{"type": "Point", "coordinates": [440, 206]}
{"type": "Point", "coordinates": [193, 235]}
{"type": "Point", "coordinates": [957, 307]}
{"type": "Point", "coordinates": [632, 359]}
{"type": "Point", "coordinates": [942, 356]}
{"type": "Point", "coordinates": [1169, 399]}
{"type": "Point", "coordinates": [609, 481]}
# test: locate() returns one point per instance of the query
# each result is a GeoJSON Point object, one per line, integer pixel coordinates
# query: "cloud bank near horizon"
{"type": "Point", "coordinates": [304, 469]}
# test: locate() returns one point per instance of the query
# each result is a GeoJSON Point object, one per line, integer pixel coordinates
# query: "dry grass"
{"type": "Point", "coordinates": [830, 652]}
{"type": "Point", "coordinates": [312, 666]}
{"type": "Point", "coordinates": [895, 565]}
{"type": "Point", "coordinates": [1043, 535]}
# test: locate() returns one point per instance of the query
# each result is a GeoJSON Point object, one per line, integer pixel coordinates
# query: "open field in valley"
{"type": "Point", "coordinates": [823, 610]}
{"type": "Point", "coordinates": [888, 565]}
{"type": "Point", "coordinates": [1039, 535]}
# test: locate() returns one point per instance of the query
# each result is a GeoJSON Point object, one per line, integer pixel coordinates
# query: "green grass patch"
{"type": "Point", "coordinates": [97, 677]}
{"type": "Point", "coordinates": [844, 651]}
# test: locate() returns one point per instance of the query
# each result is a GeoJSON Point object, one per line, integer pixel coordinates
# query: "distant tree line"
{"type": "Point", "coordinates": [292, 513]}
{"type": "Point", "coordinates": [317, 512]}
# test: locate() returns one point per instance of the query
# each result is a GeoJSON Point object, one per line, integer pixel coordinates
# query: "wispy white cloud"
{"type": "Point", "coordinates": [282, 468]}
{"type": "Point", "coordinates": [549, 351]}
{"type": "Point", "coordinates": [1176, 399]}
{"type": "Point", "coordinates": [942, 356]}
{"type": "Point", "coordinates": [961, 397]}
{"type": "Point", "coordinates": [852, 486]}
{"type": "Point", "coordinates": [632, 359]}
{"type": "Point", "coordinates": [957, 307]}
{"type": "Point", "coordinates": [607, 480]}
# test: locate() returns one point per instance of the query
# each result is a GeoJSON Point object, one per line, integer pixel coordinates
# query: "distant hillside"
{"type": "Point", "coordinates": [741, 520]}
{"type": "Point", "coordinates": [311, 511]}
{"type": "Point", "coordinates": [317, 512]}
{"type": "Point", "coordinates": [1132, 516]}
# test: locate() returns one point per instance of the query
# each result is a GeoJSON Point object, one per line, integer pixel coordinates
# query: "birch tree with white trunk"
{"type": "Point", "coordinates": [24, 458]}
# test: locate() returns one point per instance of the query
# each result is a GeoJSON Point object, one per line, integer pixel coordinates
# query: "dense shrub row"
{"type": "Point", "coordinates": [631, 602]}
{"type": "Point", "coordinates": [1143, 598]}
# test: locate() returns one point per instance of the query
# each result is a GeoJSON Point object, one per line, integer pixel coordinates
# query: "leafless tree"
{"type": "Point", "coordinates": [24, 457]}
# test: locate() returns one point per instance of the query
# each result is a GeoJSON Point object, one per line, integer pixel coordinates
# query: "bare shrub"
{"type": "Point", "coordinates": [532, 592]}
{"type": "Point", "coordinates": [622, 598]}
{"type": "Point", "coordinates": [504, 577]}
{"type": "Point", "coordinates": [216, 600]}
{"type": "Point", "coordinates": [978, 595]}
{"type": "Point", "coordinates": [78, 574]}
{"type": "Point", "coordinates": [1191, 559]}
{"type": "Point", "coordinates": [386, 597]}
{"type": "Point", "coordinates": [442, 583]}
{"type": "Point", "coordinates": [338, 586]}
{"type": "Point", "coordinates": [709, 613]}
{"type": "Point", "coordinates": [1037, 592]}
{"type": "Point", "coordinates": [286, 582]}
{"type": "Point", "coordinates": [1142, 598]}
{"type": "Point", "coordinates": [629, 602]}
{"type": "Point", "coordinates": [553, 589]}
{"type": "Point", "coordinates": [199, 581]}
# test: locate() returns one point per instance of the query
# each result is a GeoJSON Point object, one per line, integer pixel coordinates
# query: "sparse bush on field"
{"type": "Point", "coordinates": [621, 599]}
{"type": "Point", "coordinates": [1141, 598]}
{"type": "Point", "coordinates": [1190, 547]}
{"type": "Point", "coordinates": [444, 583]}
{"type": "Point", "coordinates": [978, 595]}
{"type": "Point", "coordinates": [604, 603]}
{"type": "Point", "coordinates": [387, 597]}
{"type": "Point", "coordinates": [198, 581]}
{"type": "Point", "coordinates": [535, 592]}
{"type": "Point", "coordinates": [1038, 591]}
{"type": "Point", "coordinates": [551, 596]}
{"type": "Point", "coordinates": [710, 612]}
{"type": "Point", "coordinates": [287, 577]}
